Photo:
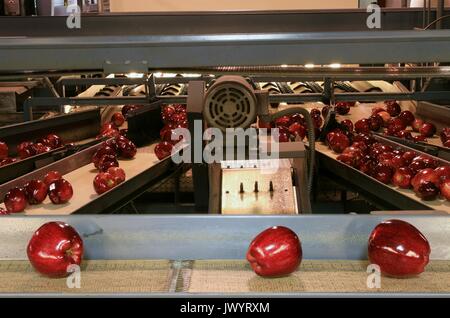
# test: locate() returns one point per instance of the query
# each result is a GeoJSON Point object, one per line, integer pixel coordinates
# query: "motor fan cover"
{"type": "Point", "coordinates": [230, 103]}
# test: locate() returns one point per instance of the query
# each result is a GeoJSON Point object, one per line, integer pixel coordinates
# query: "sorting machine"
{"type": "Point", "coordinates": [261, 57]}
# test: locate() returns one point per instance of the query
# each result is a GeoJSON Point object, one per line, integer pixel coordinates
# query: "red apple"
{"type": "Point", "coordinates": [342, 108]}
{"type": "Point", "coordinates": [111, 133]}
{"type": "Point", "coordinates": [117, 119]}
{"type": "Point", "coordinates": [445, 189]}
{"type": "Point", "coordinates": [417, 124]}
{"type": "Point", "coordinates": [103, 151]}
{"type": "Point", "coordinates": [60, 191]}
{"type": "Point", "coordinates": [325, 111]}
{"type": "Point", "coordinates": [398, 162]}
{"type": "Point", "coordinates": [53, 248]}
{"type": "Point", "coordinates": [106, 162]}
{"type": "Point", "coordinates": [399, 248]}
{"type": "Point", "coordinates": [284, 121]}
{"type": "Point", "coordinates": [296, 129]}
{"type": "Point", "coordinates": [36, 191]}
{"type": "Point", "coordinates": [408, 156]}
{"type": "Point", "coordinates": [127, 108]}
{"type": "Point", "coordinates": [26, 150]}
{"type": "Point", "coordinates": [39, 148]}
{"type": "Point", "coordinates": [104, 182]}
{"type": "Point", "coordinates": [407, 117]}
{"type": "Point", "coordinates": [124, 132]}
{"type": "Point", "coordinates": [423, 175]}
{"type": "Point", "coordinates": [315, 113]}
{"type": "Point", "coordinates": [404, 134]}
{"type": "Point", "coordinates": [126, 148]}
{"type": "Point", "coordinates": [443, 173]}
{"type": "Point", "coordinates": [51, 177]}
{"type": "Point", "coordinates": [275, 252]}
{"type": "Point", "coordinates": [383, 173]}
{"type": "Point", "coordinates": [419, 138]}
{"type": "Point", "coordinates": [163, 150]}
{"type": "Point", "coordinates": [445, 135]}
{"type": "Point", "coordinates": [402, 178]}
{"type": "Point", "coordinates": [179, 118]}
{"type": "Point", "coordinates": [4, 150]}
{"type": "Point", "coordinates": [427, 190]}
{"type": "Point", "coordinates": [347, 125]}
{"type": "Point", "coordinates": [53, 141]}
{"type": "Point", "coordinates": [118, 174]}
{"type": "Point", "coordinates": [362, 126]}
{"type": "Point", "coordinates": [377, 110]}
{"type": "Point", "coordinates": [386, 118]}
{"type": "Point", "coordinates": [8, 161]}
{"type": "Point", "coordinates": [167, 112]}
{"type": "Point", "coordinates": [393, 108]}
{"type": "Point", "coordinates": [338, 141]}
{"type": "Point", "coordinates": [15, 200]}
{"type": "Point", "coordinates": [375, 122]}
{"type": "Point", "coordinates": [428, 130]}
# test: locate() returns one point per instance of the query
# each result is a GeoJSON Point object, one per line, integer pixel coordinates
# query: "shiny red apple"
{"type": "Point", "coordinates": [399, 248]}
{"type": "Point", "coordinates": [362, 126]}
{"type": "Point", "coordinates": [342, 108]}
{"type": "Point", "coordinates": [126, 148]}
{"type": "Point", "coordinates": [402, 178]}
{"type": "Point", "coordinates": [106, 162]}
{"type": "Point", "coordinates": [117, 120]}
{"type": "Point", "coordinates": [275, 252]}
{"type": "Point", "coordinates": [428, 130]}
{"type": "Point", "coordinates": [53, 141]}
{"type": "Point", "coordinates": [103, 182]}
{"type": "Point", "coordinates": [386, 118]}
{"type": "Point", "coordinates": [338, 141]}
{"type": "Point", "coordinates": [427, 190]}
{"type": "Point", "coordinates": [127, 108]}
{"type": "Point", "coordinates": [407, 117]}
{"type": "Point", "coordinates": [297, 130]}
{"type": "Point", "coordinates": [417, 124]}
{"type": "Point", "coordinates": [445, 135]}
{"type": "Point", "coordinates": [100, 153]}
{"type": "Point", "coordinates": [347, 125]}
{"type": "Point", "coordinates": [53, 248]}
{"type": "Point", "coordinates": [419, 138]}
{"type": "Point", "coordinates": [393, 108]}
{"type": "Point", "coordinates": [443, 173]}
{"type": "Point", "coordinates": [163, 150]}
{"type": "Point", "coordinates": [325, 111]}
{"type": "Point", "coordinates": [4, 150]}
{"type": "Point", "coordinates": [118, 174]}
{"type": "Point", "coordinates": [26, 150]}
{"type": "Point", "coordinates": [51, 177]}
{"type": "Point", "coordinates": [427, 174]}
{"type": "Point", "coordinates": [445, 189]}
{"type": "Point", "coordinates": [60, 191]}
{"type": "Point", "coordinates": [36, 192]}
{"type": "Point", "coordinates": [383, 173]}
{"type": "Point", "coordinates": [8, 161]}
{"type": "Point", "coordinates": [376, 122]}
{"type": "Point", "coordinates": [15, 200]}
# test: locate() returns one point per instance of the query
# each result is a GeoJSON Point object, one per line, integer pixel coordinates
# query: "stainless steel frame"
{"type": "Point", "coordinates": [216, 237]}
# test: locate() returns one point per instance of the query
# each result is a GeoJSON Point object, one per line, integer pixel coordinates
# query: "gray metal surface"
{"type": "Point", "coordinates": [138, 53]}
{"type": "Point", "coordinates": [215, 22]}
{"type": "Point", "coordinates": [216, 237]}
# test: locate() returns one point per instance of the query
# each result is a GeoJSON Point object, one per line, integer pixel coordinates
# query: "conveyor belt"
{"type": "Point", "coordinates": [149, 276]}
{"type": "Point", "coordinates": [217, 276]}
{"type": "Point", "coordinates": [364, 111]}
{"type": "Point", "coordinates": [82, 183]}
{"type": "Point", "coordinates": [313, 277]}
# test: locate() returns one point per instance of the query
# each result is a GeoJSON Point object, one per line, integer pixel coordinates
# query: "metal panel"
{"type": "Point", "coordinates": [216, 237]}
{"type": "Point", "coordinates": [125, 52]}
{"type": "Point", "coordinates": [215, 22]}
